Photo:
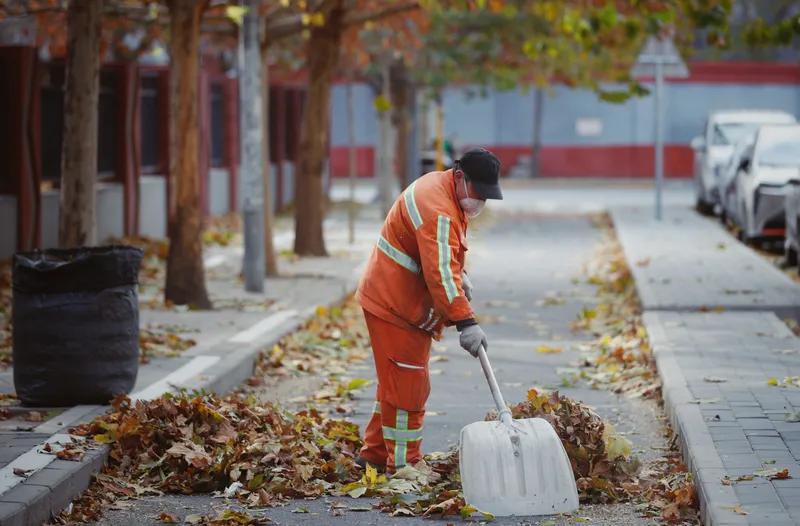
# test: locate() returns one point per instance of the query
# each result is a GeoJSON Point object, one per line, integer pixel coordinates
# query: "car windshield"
{"type": "Point", "coordinates": [730, 132]}
{"type": "Point", "coordinates": [784, 153]}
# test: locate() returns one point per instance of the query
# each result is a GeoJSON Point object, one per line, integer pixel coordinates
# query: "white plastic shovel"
{"type": "Point", "coordinates": [514, 467]}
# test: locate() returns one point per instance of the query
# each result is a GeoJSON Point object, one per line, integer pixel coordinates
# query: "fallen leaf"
{"type": "Point", "coordinates": [167, 518]}
{"type": "Point", "coordinates": [714, 379]}
{"type": "Point", "coordinates": [545, 349]}
{"type": "Point", "coordinates": [736, 509]}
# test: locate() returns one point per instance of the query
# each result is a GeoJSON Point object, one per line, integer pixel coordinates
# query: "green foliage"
{"type": "Point", "coordinates": [517, 43]}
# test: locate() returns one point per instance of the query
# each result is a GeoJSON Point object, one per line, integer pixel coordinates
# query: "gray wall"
{"type": "Point", "coordinates": [49, 219]}
{"type": "Point", "coordinates": [153, 206]}
{"type": "Point", "coordinates": [218, 192]}
{"type": "Point", "coordinates": [110, 211]}
{"type": "Point", "coordinates": [110, 207]}
{"type": "Point", "coordinates": [8, 226]}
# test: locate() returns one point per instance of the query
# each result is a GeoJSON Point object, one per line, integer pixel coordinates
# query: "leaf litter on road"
{"type": "Point", "coordinates": [261, 454]}
{"type": "Point", "coordinates": [620, 357]}
{"type": "Point", "coordinates": [621, 360]}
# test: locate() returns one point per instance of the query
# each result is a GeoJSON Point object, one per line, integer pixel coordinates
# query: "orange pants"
{"type": "Point", "coordinates": [394, 433]}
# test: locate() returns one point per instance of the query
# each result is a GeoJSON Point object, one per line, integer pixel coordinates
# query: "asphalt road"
{"type": "Point", "coordinates": [516, 260]}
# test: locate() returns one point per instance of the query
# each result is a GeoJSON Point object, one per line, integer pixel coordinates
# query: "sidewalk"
{"type": "Point", "coordinates": [737, 429]}
{"type": "Point", "coordinates": [689, 262]}
{"type": "Point", "coordinates": [34, 484]}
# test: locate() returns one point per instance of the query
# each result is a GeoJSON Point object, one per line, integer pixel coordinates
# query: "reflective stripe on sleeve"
{"type": "Point", "coordinates": [398, 256]}
{"type": "Point", "coordinates": [376, 409]}
{"type": "Point", "coordinates": [443, 240]}
{"type": "Point", "coordinates": [411, 206]}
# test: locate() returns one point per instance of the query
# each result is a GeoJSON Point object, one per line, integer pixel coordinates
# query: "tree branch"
{"type": "Point", "coordinates": [292, 25]}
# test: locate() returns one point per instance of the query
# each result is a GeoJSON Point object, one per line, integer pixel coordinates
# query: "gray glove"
{"type": "Point", "coordinates": [466, 284]}
{"type": "Point", "coordinates": [472, 338]}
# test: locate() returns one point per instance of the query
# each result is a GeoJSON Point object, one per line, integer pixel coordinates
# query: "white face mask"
{"type": "Point", "coordinates": [471, 206]}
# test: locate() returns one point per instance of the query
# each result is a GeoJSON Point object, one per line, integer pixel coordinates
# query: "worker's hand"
{"type": "Point", "coordinates": [466, 284]}
{"type": "Point", "coordinates": [472, 338]}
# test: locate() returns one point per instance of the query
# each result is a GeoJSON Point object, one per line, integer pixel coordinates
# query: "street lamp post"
{"type": "Point", "coordinates": [659, 58]}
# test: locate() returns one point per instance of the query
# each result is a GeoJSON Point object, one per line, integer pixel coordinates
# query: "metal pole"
{"type": "Point", "coordinates": [385, 181]}
{"type": "Point", "coordinates": [351, 158]}
{"type": "Point", "coordinates": [659, 157]}
{"type": "Point", "coordinates": [439, 135]}
{"type": "Point", "coordinates": [251, 123]}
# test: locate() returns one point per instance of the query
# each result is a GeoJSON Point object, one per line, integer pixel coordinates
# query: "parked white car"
{"type": "Point", "coordinates": [727, 182]}
{"type": "Point", "coordinates": [713, 149]}
{"type": "Point", "coordinates": [763, 176]}
{"type": "Point", "coordinates": [792, 243]}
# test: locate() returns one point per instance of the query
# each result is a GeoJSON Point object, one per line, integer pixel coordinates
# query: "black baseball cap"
{"type": "Point", "coordinates": [482, 169]}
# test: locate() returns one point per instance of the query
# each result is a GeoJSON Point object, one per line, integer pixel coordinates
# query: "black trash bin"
{"type": "Point", "coordinates": [75, 324]}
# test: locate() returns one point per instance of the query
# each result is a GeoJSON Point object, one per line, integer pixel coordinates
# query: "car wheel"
{"type": "Point", "coordinates": [790, 257]}
{"type": "Point", "coordinates": [704, 208]}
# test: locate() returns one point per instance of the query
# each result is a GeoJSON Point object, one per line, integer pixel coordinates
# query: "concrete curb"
{"type": "Point", "coordinates": [703, 460]}
{"type": "Point", "coordinates": [51, 489]}
{"type": "Point", "coordinates": [696, 442]}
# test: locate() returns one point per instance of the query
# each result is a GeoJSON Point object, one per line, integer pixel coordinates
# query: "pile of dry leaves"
{"type": "Point", "coordinates": [257, 453]}
{"type": "Point", "coordinates": [601, 458]}
{"type": "Point", "coordinates": [621, 358]}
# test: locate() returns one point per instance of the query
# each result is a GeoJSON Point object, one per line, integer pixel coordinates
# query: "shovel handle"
{"type": "Point", "coordinates": [499, 402]}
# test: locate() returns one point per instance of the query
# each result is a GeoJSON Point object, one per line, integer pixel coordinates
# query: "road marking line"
{"type": "Point", "coordinates": [59, 421]}
{"type": "Point", "coordinates": [268, 323]}
{"type": "Point", "coordinates": [31, 461]}
{"type": "Point", "coordinates": [177, 377]}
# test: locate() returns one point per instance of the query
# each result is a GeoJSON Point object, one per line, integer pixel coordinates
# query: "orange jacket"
{"type": "Point", "coordinates": [413, 277]}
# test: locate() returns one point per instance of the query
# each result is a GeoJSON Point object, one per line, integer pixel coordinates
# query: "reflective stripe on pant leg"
{"type": "Point", "coordinates": [400, 446]}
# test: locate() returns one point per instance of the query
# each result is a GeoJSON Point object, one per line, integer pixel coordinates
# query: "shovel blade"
{"type": "Point", "coordinates": [516, 471]}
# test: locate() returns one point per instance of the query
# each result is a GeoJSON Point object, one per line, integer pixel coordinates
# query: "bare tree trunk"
{"type": "Point", "coordinates": [270, 257]}
{"type": "Point", "coordinates": [322, 56]}
{"type": "Point", "coordinates": [77, 225]}
{"type": "Point", "coordinates": [186, 283]}
{"type": "Point", "coordinates": [401, 120]}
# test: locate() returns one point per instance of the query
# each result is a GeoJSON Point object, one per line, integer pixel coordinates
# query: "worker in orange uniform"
{"type": "Point", "coordinates": [413, 287]}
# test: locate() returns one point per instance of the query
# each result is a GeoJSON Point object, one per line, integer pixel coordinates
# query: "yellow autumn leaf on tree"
{"type": "Point", "coordinates": [235, 13]}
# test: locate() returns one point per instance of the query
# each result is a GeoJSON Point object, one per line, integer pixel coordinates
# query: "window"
{"type": "Point", "coordinates": [107, 138]}
{"type": "Point", "coordinates": [276, 103]}
{"type": "Point", "coordinates": [294, 117]}
{"type": "Point", "coordinates": [217, 125]}
{"type": "Point", "coordinates": [51, 121]}
{"type": "Point", "coordinates": [150, 124]}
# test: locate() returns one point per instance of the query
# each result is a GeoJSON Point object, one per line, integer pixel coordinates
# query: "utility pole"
{"type": "Point", "coordinates": [251, 124]}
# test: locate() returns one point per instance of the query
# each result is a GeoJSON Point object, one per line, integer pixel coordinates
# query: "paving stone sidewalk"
{"type": "Point", "coordinates": [713, 309]}
{"type": "Point", "coordinates": [689, 262]}
{"type": "Point", "coordinates": [732, 423]}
